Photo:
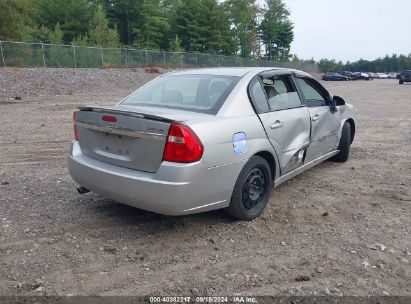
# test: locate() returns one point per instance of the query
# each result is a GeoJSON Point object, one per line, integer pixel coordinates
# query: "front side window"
{"type": "Point", "coordinates": [281, 93]}
{"type": "Point", "coordinates": [197, 93]}
{"type": "Point", "coordinates": [314, 96]}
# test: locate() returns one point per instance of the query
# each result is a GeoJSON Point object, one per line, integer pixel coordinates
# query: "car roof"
{"type": "Point", "coordinates": [236, 72]}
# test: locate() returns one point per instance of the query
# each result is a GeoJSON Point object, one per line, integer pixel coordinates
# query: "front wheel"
{"type": "Point", "coordinates": [252, 190]}
{"type": "Point", "coordinates": [344, 146]}
{"type": "Point", "coordinates": [401, 82]}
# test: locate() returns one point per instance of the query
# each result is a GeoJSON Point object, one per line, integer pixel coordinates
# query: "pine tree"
{"type": "Point", "coordinates": [56, 36]}
{"type": "Point", "coordinates": [100, 34]}
{"type": "Point", "coordinates": [126, 14]}
{"type": "Point", "coordinates": [73, 15]}
{"type": "Point", "coordinates": [175, 45]}
{"type": "Point", "coordinates": [15, 21]}
{"type": "Point", "coordinates": [202, 26]}
{"type": "Point", "coordinates": [242, 16]}
{"type": "Point", "coordinates": [154, 25]}
{"type": "Point", "coordinates": [218, 37]}
{"type": "Point", "coordinates": [277, 31]}
{"type": "Point", "coordinates": [185, 24]}
{"type": "Point", "coordinates": [55, 57]}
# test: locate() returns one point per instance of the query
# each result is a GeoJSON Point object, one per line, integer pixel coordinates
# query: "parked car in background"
{"type": "Point", "coordinates": [355, 76]}
{"type": "Point", "coordinates": [365, 76]}
{"type": "Point", "coordinates": [372, 75]}
{"type": "Point", "coordinates": [392, 75]}
{"type": "Point", "coordinates": [346, 73]}
{"type": "Point", "coordinates": [382, 76]}
{"type": "Point", "coordinates": [362, 76]}
{"type": "Point", "coordinates": [334, 76]}
{"type": "Point", "coordinates": [404, 76]}
{"type": "Point", "coordinates": [199, 140]}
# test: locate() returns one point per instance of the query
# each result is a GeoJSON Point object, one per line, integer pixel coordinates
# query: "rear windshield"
{"type": "Point", "coordinates": [196, 93]}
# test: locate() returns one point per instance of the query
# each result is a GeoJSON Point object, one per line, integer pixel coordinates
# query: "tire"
{"type": "Point", "coordinates": [251, 191]}
{"type": "Point", "coordinates": [401, 82]}
{"type": "Point", "coordinates": [344, 146]}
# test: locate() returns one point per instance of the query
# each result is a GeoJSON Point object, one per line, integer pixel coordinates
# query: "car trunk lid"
{"type": "Point", "coordinates": [123, 137]}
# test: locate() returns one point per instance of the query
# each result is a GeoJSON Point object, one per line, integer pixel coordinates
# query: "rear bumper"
{"type": "Point", "coordinates": [175, 189]}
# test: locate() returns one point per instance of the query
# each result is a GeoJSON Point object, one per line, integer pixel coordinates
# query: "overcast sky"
{"type": "Point", "coordinates": [350, 29]}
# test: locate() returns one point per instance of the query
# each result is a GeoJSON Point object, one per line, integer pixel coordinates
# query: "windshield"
{"type": "Point", "coordinates": [196, 93]}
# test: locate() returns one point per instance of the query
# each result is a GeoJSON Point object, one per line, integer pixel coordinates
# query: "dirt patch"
{"type": "Point", "coordinates": [339, 229]}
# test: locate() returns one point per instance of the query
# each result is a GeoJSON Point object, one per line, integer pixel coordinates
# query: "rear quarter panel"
{"type": "Point", "coordinates": [217, 138]}
{"type": "Point", "coordinates": [219, 158]}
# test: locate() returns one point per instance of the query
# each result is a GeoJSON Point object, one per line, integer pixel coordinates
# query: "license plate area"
{"type": "Point", "coordinates": [114, 144]}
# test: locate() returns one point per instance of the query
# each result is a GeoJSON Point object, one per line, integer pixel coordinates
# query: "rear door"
{"type": "Point", "coordinates": [325, 125]}
{"type": "Point", "coordinates": [285, 119]}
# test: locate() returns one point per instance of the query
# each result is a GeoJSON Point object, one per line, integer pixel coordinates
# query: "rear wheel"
{"type": "Point", "coordinates": [252, 190]}
{"type": "Point", "coordinates": [344, 146]}
{"type": "Point", "coordinates": [401, 82]}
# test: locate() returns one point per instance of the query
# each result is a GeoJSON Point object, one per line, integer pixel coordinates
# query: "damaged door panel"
{"type": "Point", "coordinates": [285, 119]}
{"type": "Point", "coordinates": [325, 124]}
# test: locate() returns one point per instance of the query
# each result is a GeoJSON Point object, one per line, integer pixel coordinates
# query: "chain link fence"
{"type": "Point", "coordinates": [22, 54]}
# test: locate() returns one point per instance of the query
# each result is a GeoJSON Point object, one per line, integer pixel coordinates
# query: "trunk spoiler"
{"type": "Point", "coordinates": [109, 110]}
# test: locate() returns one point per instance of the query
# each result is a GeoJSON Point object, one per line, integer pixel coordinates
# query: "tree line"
{"type": "Point", "coordinates": [230, 27]}
{"type": "Point", "coordinates": [393, 63]}
{"type": "Point", "coordinates": [245, 28]}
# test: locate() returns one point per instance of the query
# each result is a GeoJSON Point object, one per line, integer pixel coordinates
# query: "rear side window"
{"type": "Point", "coordinates": [258, 97]}
{"type": "Point", "coordinates": [197, 93]}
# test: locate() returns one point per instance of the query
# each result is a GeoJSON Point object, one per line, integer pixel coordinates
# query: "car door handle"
{"type": "Point", "coordinates": [315, 117]}
{"type": "Point", "coordinates": [278, 124]}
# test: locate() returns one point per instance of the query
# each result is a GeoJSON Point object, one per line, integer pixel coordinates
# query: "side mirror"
{"type": "Point", "coordinates": [338, 101]}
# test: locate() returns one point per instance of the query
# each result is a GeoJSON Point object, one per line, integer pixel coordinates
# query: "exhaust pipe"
{"type": "Point", "coordinates": [82, 190]}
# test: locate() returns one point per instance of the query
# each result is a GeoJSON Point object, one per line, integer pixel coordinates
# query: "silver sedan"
{"type": "Point", "coordinates": [199, 140]}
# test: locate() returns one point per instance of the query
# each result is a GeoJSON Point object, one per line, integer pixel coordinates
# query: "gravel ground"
{"type": "Point", "coordinates": [50, 82]}
{"type": "Point", "coordinates": [337, 229]}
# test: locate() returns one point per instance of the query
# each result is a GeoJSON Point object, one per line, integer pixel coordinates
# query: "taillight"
{"type": "Point", "coordinates": [109, 118]}
{"type": "Point", "coordinates": [183, 145]}
{"type": "Point", "coordinates": [75, 127]}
